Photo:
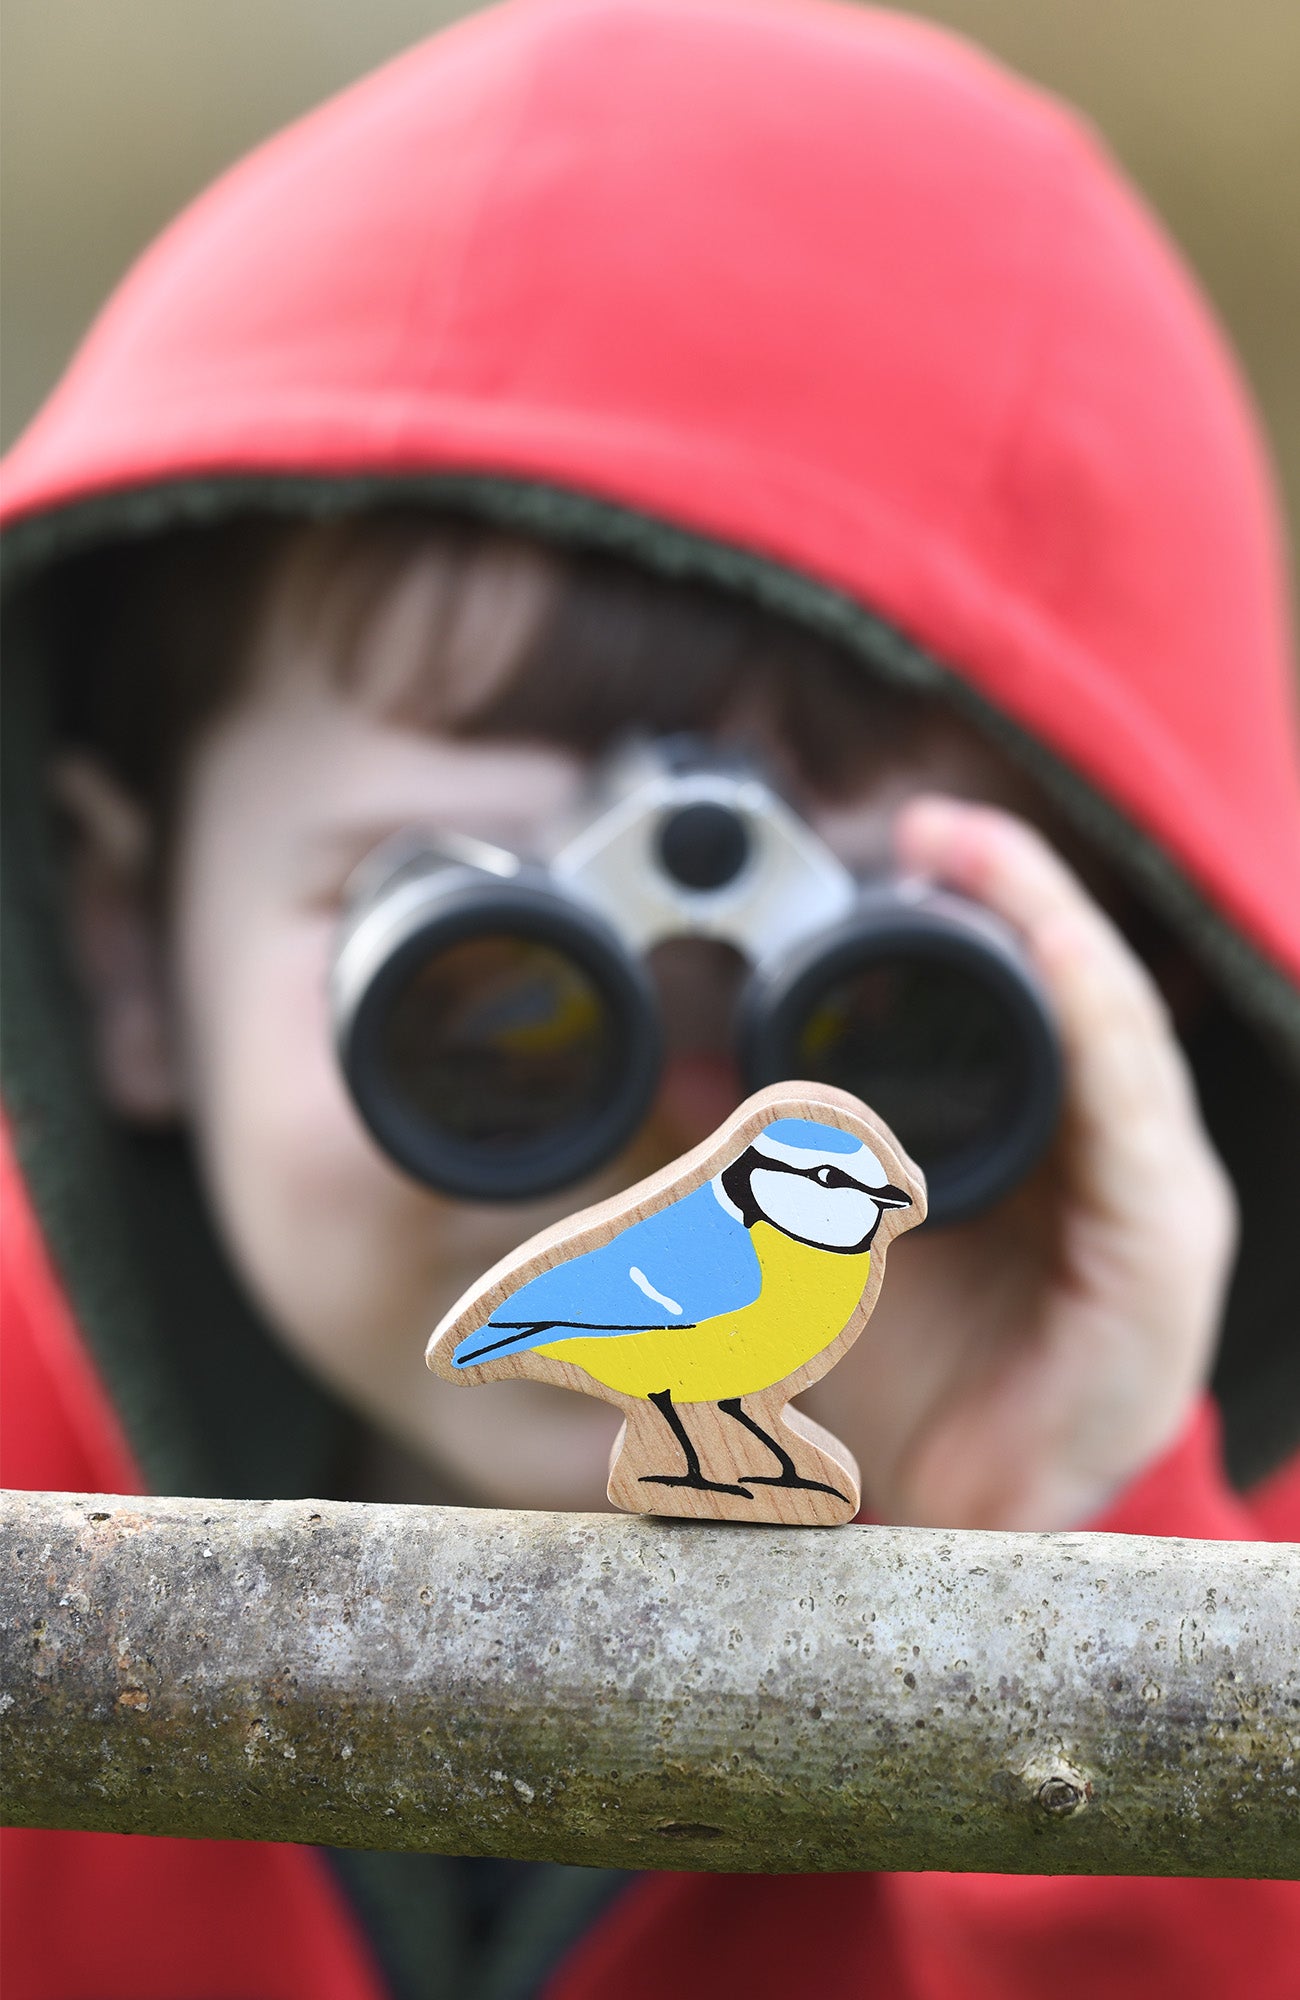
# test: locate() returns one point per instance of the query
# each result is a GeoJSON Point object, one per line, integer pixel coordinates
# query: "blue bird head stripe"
{"type": "Point", "coordinates": [695, 1255]}
{"type": "Point", "coordinates": [812, 1137]}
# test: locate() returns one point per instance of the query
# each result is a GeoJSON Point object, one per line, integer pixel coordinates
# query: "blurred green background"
{"type": "Point", "coordinates": [114, 112]}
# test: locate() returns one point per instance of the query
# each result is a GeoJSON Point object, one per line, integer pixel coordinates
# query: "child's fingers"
{"type": "Point", "coordinates": [1129, 1096]}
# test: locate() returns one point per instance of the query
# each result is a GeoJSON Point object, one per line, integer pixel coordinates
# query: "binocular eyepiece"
{"type": "Point", "coordinates": [500, 1033]}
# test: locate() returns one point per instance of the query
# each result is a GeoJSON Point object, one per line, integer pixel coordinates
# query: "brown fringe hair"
{"type": "Point", "coordinates": [450, 626]}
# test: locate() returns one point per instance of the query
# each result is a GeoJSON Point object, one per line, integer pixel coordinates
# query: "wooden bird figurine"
{"type": "Point", "coordinates": [702, 1299]}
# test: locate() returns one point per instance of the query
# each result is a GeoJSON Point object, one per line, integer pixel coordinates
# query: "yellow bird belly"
{"type": "Point", "coordinates": [807, 1298]}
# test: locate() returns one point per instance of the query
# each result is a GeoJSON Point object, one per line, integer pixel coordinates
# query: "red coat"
{"type": "Point", "coordinates": [820, 304]}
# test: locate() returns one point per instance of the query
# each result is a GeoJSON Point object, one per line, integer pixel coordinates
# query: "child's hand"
{"type": "Point", "coordinates": [1053, 1348]}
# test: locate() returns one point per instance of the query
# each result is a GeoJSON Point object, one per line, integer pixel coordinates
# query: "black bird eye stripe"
{"type": "Point", "coordinates": [738, 1186]}
{"type": "Point", "coordinates": [890, 1196]}
{"type": "Point", "coordinates": [887, 1193]}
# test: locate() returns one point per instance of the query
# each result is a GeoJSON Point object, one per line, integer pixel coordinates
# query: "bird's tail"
{"type": "Point", "coordinates": [502, 1338]}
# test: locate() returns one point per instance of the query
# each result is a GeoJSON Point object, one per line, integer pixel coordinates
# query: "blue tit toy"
{"type": "Point", "coordinates": [702, 1299]}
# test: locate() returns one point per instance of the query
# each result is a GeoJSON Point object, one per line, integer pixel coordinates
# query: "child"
{"type": "Point", "coordinates": [779, 373]}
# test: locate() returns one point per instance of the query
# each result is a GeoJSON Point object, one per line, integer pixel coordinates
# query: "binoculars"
{"type": "Point", "coordinates": [498, 1026]}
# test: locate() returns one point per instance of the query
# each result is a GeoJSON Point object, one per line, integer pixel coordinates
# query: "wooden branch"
{"type": "Point", "coordinates": [642, 1693]}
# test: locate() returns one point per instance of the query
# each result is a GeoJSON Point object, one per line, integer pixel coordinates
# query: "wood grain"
{"type": "Point", "coordinates": [728, 1454]}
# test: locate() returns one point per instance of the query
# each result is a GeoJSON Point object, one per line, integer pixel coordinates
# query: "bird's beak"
{"type": "Point", "coordinates": [890, 1196]}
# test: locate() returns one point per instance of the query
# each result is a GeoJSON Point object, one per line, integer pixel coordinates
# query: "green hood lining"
{"type": "Point", "coordinates": [477, 1930]}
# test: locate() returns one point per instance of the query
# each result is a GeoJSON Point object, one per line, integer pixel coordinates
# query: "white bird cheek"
{"type": "Point", "coordinates": [836, 1217]}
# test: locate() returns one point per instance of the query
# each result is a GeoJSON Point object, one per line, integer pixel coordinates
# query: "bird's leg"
{"type": "Point", "coordinates": [789, 1475]}
{"type": "Point", "coordinates": [692, 1477]}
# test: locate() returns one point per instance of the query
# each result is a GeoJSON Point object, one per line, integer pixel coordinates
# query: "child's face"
{"type": "Point", "coordinates": [350, 1261]}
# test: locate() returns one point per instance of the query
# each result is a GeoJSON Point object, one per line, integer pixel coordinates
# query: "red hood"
{"type": "Point", "coordinates": [818, 284]}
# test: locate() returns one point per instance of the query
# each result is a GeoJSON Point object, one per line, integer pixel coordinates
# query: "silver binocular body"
{"type": "Point", "coordinates": [498, 1025]}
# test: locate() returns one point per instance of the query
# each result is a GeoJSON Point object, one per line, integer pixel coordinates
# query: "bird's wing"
{"type": "Point", "coordinates": [687, 1263]}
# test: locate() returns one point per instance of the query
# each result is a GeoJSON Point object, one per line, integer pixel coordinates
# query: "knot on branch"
{"type": "Point", "coordinates": [1060, 1796]}
{"type": "Point", "coordinates": [1058, 1789]}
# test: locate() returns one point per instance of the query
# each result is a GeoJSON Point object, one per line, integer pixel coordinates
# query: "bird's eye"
{"type": "Point", "coordinates": [833, 1177]}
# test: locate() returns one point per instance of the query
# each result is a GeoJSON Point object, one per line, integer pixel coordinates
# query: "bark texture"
{"type": "Point", "coordinates": [640, 1693]}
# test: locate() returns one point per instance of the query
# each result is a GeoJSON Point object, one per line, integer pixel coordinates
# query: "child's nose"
{"type": "Point", "coordinates": [696, 1092]}
{"type": "Point", "coordinates": [698, 983]}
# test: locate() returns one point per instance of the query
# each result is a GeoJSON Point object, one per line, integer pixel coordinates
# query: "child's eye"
{"type": "Point", "coordinates": [325, 898]}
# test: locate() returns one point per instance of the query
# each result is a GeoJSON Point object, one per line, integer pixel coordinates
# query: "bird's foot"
{"type": "Point", "coordinates": [696, 1481]}
{"type": "Point", "coordinates": [792, 1478]}
{"type": "Point", "coordinates": [788, 1475]}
